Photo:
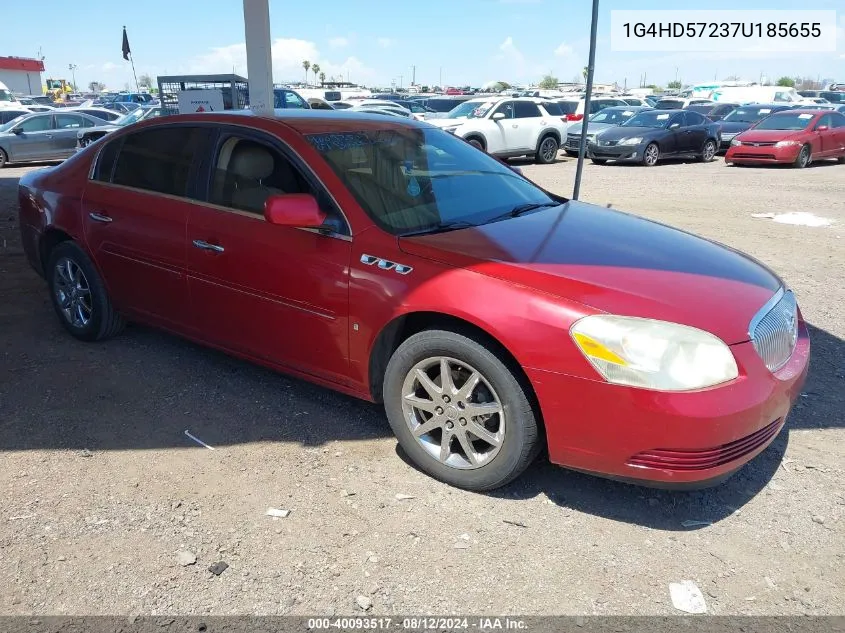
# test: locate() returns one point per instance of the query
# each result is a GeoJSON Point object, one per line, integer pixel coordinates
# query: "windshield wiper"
{"type": "Point", "coordinates": [522, 209]}
{"type": "Point", "coordinates": [440, 228]}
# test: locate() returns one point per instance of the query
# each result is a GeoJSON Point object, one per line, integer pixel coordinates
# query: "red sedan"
{"type": "Point", "coordinates": [391, 261]}
{"type": "Point", "coordinates": [796, 137]}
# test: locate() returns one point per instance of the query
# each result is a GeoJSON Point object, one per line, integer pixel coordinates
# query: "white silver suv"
{"type": "Point", "coordinates": [508, 127]}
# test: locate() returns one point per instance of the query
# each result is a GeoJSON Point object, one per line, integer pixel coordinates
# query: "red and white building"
{"type": "Point", "coordinates": [22, 75]}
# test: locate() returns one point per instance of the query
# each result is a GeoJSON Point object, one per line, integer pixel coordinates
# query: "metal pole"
{"type": "Point", "coordinates": [591, 67]}
{"type": "Point", "coordinates": [259, 58]}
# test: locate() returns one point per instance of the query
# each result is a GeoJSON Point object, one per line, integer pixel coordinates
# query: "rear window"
{"type": "Point", "coordinates": [442, 105]}
{"type": "Point", "coordinates": [669, 104]}
{"type": "Point", "coordinates": [553, 108]}
{"type": "Point", "coordinates": [567, 107]}
{"type": "Point", "coordinates": [105, 161]}
{"type": "Point", "coordinates": [833, 97]}
{"type": "Point", "coordinates": [332, 95]}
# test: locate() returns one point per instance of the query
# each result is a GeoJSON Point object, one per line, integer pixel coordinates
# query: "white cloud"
{"type": "Point", "coordinates": [385, 42]}
{"type": "Point", "coordinates": [510, 52]}
{"type": "Point", "coordinates": [288, 55]}
{"type": "Point", "coordinates": [338, 42]}
{"type": "Point", "coordinates": [108, 66]}
{"type": "Point", "coordinates": [563, 50]}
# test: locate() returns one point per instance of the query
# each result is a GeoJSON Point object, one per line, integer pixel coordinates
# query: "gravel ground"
{"type": "Point", "coordinates": [107, 504]}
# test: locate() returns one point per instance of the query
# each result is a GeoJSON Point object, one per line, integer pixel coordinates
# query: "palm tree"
{"type": "Point", "coordinates": [322, 78]}
{"type": "Point", "coordinates": [315, 68]}
{"type": "Point", "coordinates": [306, 65]}
{"type": "Point", "coordinates": [585, 72]}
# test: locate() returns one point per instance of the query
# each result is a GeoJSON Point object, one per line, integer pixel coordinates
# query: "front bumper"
{"type": "Point", "coordinates": [768, 154]}
{"type": "Point", "coordinates": [616, 152]}
{"type": "Point", "coordinates": [690, 439]}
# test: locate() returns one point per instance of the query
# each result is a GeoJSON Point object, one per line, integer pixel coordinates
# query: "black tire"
{"type": "Point", "coordinates": [570, 153]}
{"type": "Point", "coordinates": [841, 160]}
{"type": "Point", "coordinates": [708, 152]}
{"type": "Point", "coordinates": [3, 159]}
{"type": "Point", "coordinates": [104, 322]}
{"type": "Point", "coordinates": [599, 161]}
{"type": "Point", "coordinates": [521, 443]}
{"type": "Point", "coordinates": [803, 158]}
{"type": "Point", "coordinates": [476, 143]}
{"type": "Point", "coordinates": [650, 159]}
{"type": "Point", "coordinates": [547, 150]}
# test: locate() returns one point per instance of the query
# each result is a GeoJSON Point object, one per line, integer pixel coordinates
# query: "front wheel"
{"type": "Point", "coordinates": [79, 295]}
{"type": "Point", "coordinates": [3, 159]}
{"type": "Point", "coordinates": [651, 155]}
{"type": "Point", "coordinates": [803, 158]}
{"type": "Point", "coordinates": [547, 151]}
{"type": "Point", "coordinates": [708, 152]}
{"type": "Point", "coordinates": [599, 161]}
{"type": "Point", "coordinates": [476, 143]}
{"type": "Point", "coordinates": [458, 411]}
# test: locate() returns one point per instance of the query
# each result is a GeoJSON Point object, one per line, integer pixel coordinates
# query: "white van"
{"type": "Point", "coordinates": [7, 99]}
{"type": "Point", "coordinates": [756, 94]}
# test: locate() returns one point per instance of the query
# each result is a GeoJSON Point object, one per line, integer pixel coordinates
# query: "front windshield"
{"type": "Point", "coordinates": [785, 121]}
{"type": "Point", "coordinates": [609, 115]}
{"type": "Point", "coordinates": [648, 119]}
{"type": "Point", "coordinates": [409, 179]}
{"type": "Point", "coordinates": [5, 95]}
{"type": "Point", "coordinates": [480, 110]}
{"type": "Point", "coordinates": [747, 115]}
{"type": "Point", "coordinates": [129, 119]}
{"type": "Point", "coordinates": [8, 126]}
{"type": "Point", "coordinates": [463, 110]}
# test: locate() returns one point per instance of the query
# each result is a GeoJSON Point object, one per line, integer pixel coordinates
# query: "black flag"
{"type": "Point", "coordinates": [126, 50]}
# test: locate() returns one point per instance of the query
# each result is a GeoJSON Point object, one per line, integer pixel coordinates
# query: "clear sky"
{"type": "Point", "coordinates": [378, 41]}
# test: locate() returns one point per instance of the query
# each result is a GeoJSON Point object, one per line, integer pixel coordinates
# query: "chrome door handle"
{"type": "Point", "coordinates": [208, 247]}
{"type": "Point", "coordinates": [99, 217]}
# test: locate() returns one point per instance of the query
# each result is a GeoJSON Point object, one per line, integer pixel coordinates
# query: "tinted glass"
{"type": "Point", "coordinates": [669, 104]}
{"type": "Point", "coordinates": [701, 109]}
{"type": "Point", "coordinates": [827, 120]}
{"type": "Point", "coordinates": [505, 108]}
{"type": "Point", "coordinates": [37, 123]}
{"type": "Point", "coordinates": [9, 115]}
{"type": "Point", "coordinates": [553, 108]}
{"type": "Point", "coordinates": [442, 105]}
{"type": "Point", "coordinates": [526, 110]}
{"type": "Point", "coordinates": [413, 179]}
{"type": "Point", "coordinates": [833, 96]}
{"type": "Point", "coordinates": [837, 120]}
{"type": "Point", "coordinates": [159, 159]}
{"type": "Point", "coordinates": [785, 121]}
{"type": "Point", "coordinates": [568, 107]}
{"type": "Point", "coordinates": [750, 114]}
{"type": "Point", "coordinates": [68, 121]}
{"type": "Point", "coordinates": [598, 106]}
{"type": "Point", "coordinates": [248, 172]}
{"type": "Point", "coordinates": [615, 116]}
{"type": "Point", "coordinates": [463, 109]}
{"type": "Point", "coordinates": [651, 118]}
{"type": "Point", "coordinates": [693, 118]}
{"type": "Point", "coordinates": [105, 161]}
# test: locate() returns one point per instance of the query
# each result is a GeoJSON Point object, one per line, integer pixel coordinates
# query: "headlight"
{"type": "Point", "coordinates": [634, 140]}
{"type": "Point", "coordinates": [786, 143]}
{"type": "Point", "coordinates": [736, 142]}
{"type": "Point", "coordinates": [653, 354]}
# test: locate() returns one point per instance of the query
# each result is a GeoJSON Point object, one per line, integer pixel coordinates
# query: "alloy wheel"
{"type": "Point", "coordinates": [548, 149]}
{"type": "Point", "coordinates": [453, 412]}
{"type": "Point", "coordinates": [709, 151]}
{"type": "Point", "coordinates": [73, 292]}
{"type": "Point", "coordinates": [651, 155]}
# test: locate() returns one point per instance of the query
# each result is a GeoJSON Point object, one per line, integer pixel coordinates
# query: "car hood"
{"type": "Point", "coordinates": [619, 132]}
{"type": "Point", "coordinates": [762, 136]}
{"type": "Point", "coordinates": [613, 262]}
{"type": "Point", "coordinates": [97, 128]}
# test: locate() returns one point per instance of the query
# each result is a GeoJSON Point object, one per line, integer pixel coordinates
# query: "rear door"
{"type": "Point", "coordinates": [34, 140]}
{"type": "Point", "coordinates": [273, 292]}
{"type": "Point", "coordinates": [64, 138]}
{"type": "Point", "coordinates": [694, 131]}
{"type": "Point", "coordinates": [529, 122]}
{"type": "Point", "coordinates": [828, 142]}
{"type": "Point", "coordinates": [838, 126]}
{"type": "Point", "coordinates": [135, 215]}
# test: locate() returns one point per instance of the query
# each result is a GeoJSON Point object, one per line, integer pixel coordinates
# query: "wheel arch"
{"type": "Point", "coordinates": [51, 238]}
{"type": "Point", "coordinates": [478, 136]}
{"type": "Point", "coordinates": [406, 325]}
{"type": "Point", "coordinates": [548, 132]}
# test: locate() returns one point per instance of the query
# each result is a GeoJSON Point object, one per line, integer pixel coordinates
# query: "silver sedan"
{"type": "Point", "coordinates": [44, 136]}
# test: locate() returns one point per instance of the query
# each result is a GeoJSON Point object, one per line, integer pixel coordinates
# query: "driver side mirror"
{"type": "Point", "coordinates": [294, 209]}
{"type": "Point", "coordinates": [498, 116]}
{"type": "Point", "coordinates": [17, 131]}
{"type": "Point", "coordinates": [822, 128]}
{"type": "Point", "coordinates": [674, 126]}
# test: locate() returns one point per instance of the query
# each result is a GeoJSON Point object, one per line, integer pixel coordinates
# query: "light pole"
{"type": "Point", "coordinates": [72, 68]}
{"type": "Point", "coordinates": [591, 68]}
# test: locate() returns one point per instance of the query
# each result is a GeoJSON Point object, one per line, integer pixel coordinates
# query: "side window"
{"type": "Point", "coordinates": [68, 121]}
{"type": "Point", "coordinates": [37, 124]}
{"type": "Point", "coordinates": [827, 120]}
{"type": "Point", "coordinates": [526, 110]}
{"type": "Point", "coordinates": [247, 172]}
{"type": "Point", "coordinates": [679, 120]}
{"type": "Point", "coordinates": [105, 161]}
{"type": "Point", "coordinates": [159, 159]}
{"type": "Point", "coordinates": [693, 118]}
{"type": "Point", "coordinates": [292, 100]}
{"type": "Point", "coordinates": [838, 120]}
{"type": "Point", "coordinates": [598, 105]}
{"type": "Point", "coordinates": [505, 108]}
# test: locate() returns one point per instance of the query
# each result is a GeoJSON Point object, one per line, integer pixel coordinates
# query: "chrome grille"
{"type": "Point", "coordinates": [774, 330]}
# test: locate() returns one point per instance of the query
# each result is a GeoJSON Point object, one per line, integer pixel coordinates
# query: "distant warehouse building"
{"type": "Point", "coordinates": [22, 75]}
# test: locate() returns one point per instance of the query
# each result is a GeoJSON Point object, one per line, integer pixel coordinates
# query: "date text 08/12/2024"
{"type": "Point", "coordinates": [417, 623]}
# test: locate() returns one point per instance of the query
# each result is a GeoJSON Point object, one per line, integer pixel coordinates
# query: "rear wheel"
{"type": "Point", "coordinates": [841, 160]}
{"type": "Point", "coordinates": [79, 295]}
{"type": "Point", "coordinates": [599, 161]}
{"type": "Point", "coordinates": [547, 150]}
{"type": "Point", "coordinates": [651, 155]}
{"type": "Point", "coordinates": [3, 159]}
{"type": "Point", "coordinates": [458, 411]}
{"type": "Point", "coordinates": [476, 143]}
{"type": "Point", "coordinates": [803, 158]}
{"type": "Point", "coordinates": [708, 152]}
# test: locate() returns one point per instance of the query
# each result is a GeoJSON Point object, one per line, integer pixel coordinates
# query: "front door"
{"type": "Point", "coordinates": [274, 292]}
{"type": "Point", "coordinates": [135, 213]}
{"type": "Point", "coordinates": [64, 136]}
{"type": "Point", "coordinates": [828, 145]}
{"type": "Point", "coordinates": [530, 122]}
{"type": "Point", "coordinates": [34, 140]}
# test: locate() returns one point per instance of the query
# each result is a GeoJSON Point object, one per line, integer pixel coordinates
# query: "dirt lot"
{"type": "Point", "coordinates": [102, 490]}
